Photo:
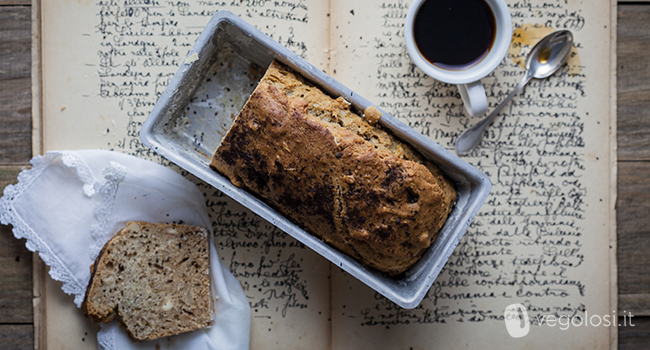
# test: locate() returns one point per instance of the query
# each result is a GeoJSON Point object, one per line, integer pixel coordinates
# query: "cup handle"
{"type": "Point", "coordinates": [473, 95]}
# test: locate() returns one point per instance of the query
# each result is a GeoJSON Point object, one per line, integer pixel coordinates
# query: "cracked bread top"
{"type": "Point", "coordinates": [339, 177]}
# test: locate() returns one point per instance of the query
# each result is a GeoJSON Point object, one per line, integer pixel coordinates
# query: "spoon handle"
{"type": "Point", "coordinates": [470, 138]}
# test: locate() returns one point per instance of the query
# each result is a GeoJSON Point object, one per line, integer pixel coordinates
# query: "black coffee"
{"type": "Point", "coordinates": [454, 34]}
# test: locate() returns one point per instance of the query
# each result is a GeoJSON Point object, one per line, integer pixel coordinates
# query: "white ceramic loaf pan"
{"type": "Point", "coordinates": [175, 131]}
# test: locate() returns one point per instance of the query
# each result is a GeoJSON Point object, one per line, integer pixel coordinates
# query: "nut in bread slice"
{"type": "Point", "coordinates": [154, 278]}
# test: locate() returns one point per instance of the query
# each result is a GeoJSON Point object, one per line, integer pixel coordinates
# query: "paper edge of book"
{"type": "Point", "coordinates": [613, 265]}
{"type": "Point", "coordinates": [38, 267]}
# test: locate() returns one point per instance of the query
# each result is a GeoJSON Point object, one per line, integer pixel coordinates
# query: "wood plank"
{"type": "Point", "coordinates": [15, 278]}
{"type": "Point", "coordinates": [633, 202]}
{"type": "Point", "coordinates": [637, 304]}
{"type": "Point", "coordinates": [15, 42]}
{"type": "Point", "coordinates": [15, 2]}
{"type": "Point", "coordinates": [8, 175]}
{"type": "Point", "coordinates": [15, 121]}
{"type": "Point", "coordinates": [15, 84]}
{"type": "Point", "coordinates": [16, 273]}
{"type": "Point", "coordinates": [633, 222]}
{"type": "Point", "coordinates": [633, 70]}
{"type": "Point", "coordinates": [633, 125]}
{"type": "Point", "coordinates": [17, 337]}
{"type": "Point", "coordinates": [635, 337]}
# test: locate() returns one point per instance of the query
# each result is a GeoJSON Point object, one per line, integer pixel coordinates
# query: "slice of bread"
{"type": "Point", "coordinates": [155, 278]}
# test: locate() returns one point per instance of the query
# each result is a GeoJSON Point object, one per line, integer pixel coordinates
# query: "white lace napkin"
{"type": "Point", "coordinates": [71, 202]}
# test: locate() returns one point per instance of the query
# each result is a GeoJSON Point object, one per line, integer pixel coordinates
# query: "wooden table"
{"type": "Point", "coordinates": [633, 205]}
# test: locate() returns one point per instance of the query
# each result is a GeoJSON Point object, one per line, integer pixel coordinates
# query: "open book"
{"type": "Point", "coordinates": [544, 238]}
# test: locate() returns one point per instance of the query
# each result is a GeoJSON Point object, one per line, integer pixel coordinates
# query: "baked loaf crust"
{"type": "Point", "coordinates": [331, 171]}
{"type": "Point", "coordinates": [154, 278]}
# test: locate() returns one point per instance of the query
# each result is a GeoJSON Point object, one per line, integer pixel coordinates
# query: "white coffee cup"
{"type": "Point", "coordinates": [468, 79]}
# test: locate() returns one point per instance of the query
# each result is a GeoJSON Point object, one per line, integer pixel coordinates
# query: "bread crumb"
{"type": "Point", "coordinates": [168, 305]}
{"type": "Point", "coordinates": [192, 58]}
{"type": "Point", "coordinates": [372, 115]}
{"type": "Point", "coordinates": [133, 226]}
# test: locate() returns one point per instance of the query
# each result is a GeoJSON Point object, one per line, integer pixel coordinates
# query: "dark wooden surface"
{"type": "Point", "coordinates": [15, 85]}
{"type": "Point", "coordinates": [633, 204]}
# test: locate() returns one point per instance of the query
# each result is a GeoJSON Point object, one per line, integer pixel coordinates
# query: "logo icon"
{"type": "Point", "coordinates": [516, 319]}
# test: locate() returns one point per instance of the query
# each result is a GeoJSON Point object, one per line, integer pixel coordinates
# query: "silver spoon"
{"type": "Point", "coordinates": [546, 57]}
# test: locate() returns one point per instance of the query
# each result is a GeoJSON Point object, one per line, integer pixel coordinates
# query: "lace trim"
{"type": "Point", "coordinates": [114, 175]}
{"type": "Point", "coordinates": [105, 339]}
{"type": "Point", "coordinates": [83, 172]}
{"type": "Point", "coordinates": [58, 271]}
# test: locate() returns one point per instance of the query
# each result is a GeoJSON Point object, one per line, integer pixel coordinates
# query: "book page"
{"type": "Point", "coordinates": [542, 237]}
{"type": "Point", "coordinates": [106, 62]}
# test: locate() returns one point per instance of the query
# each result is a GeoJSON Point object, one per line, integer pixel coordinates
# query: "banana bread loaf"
{"type": "Point", "coordinates": [335, 173]}
{"type": "Point", "coordinates": [154, 278]}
